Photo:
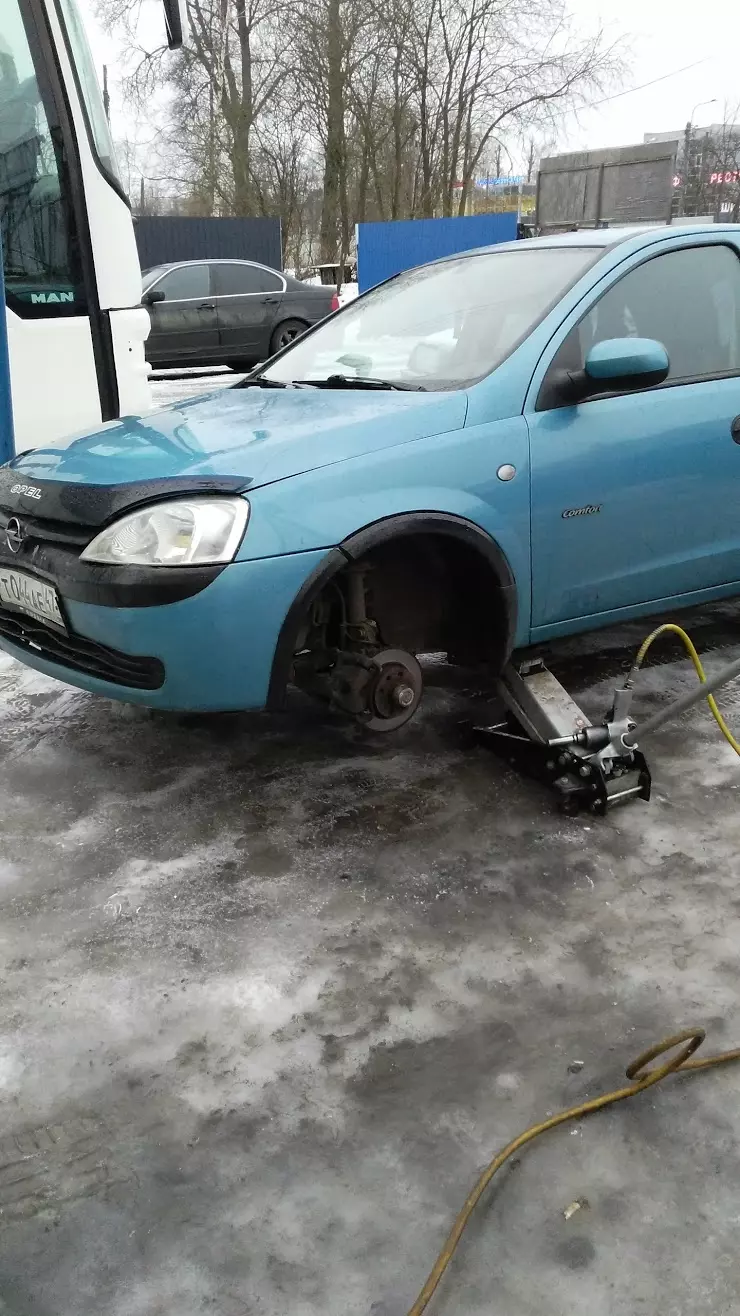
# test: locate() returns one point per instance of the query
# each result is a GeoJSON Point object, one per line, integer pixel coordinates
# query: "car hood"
{"type": "Point", "coordinates": [254, 434]}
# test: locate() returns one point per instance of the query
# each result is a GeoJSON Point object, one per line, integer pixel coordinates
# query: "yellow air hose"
{"type": "Point", "coordinates": [642, 1079]}
{"type": "Point", "coordinates": [670, 628]}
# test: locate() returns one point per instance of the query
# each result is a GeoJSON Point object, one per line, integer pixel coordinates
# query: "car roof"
{"type": "Point", "coordinates": [598, 239]}
{"type": "Point", "coordinates": [606, 237]}
{"type": "Point", "coordinates": [593, 237]}
{"type": "Point", "coordinates": [212, 260]}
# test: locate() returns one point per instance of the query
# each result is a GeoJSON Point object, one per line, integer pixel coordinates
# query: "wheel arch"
{"type": "Point", "coordinates": [484, 551]}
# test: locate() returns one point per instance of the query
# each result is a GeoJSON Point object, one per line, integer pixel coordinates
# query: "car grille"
{"type": "Point", "coordinates": [81, 655]}
{"type": "Point", "coordinates": [38, 530]}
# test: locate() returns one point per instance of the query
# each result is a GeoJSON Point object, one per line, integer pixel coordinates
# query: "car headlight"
{"type": "Point", "coordinates": [186, 532]}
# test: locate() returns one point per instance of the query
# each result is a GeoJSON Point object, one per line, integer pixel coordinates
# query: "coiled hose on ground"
{"type": "Point", "coordinates": [641, 1078]}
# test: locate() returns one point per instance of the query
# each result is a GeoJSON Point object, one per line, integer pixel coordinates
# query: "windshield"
{"type": "Point", "coordinates": [438, 326]}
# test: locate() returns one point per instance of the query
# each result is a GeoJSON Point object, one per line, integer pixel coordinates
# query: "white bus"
{"type": "Point", "coordinates": [76, 328]}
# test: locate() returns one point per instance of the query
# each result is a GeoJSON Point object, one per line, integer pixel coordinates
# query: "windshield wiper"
{"type": "Point", "coordinates": [259, 381]}
{"type": "Point", "coordinates": [361, 381]}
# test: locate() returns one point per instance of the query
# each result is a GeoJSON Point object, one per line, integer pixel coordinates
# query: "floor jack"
{"type": "Point", "coordinates": [547, 736]}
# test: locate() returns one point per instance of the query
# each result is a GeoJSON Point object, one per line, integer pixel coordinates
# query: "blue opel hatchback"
{"type": "Point", "coordinates": [505, 446]}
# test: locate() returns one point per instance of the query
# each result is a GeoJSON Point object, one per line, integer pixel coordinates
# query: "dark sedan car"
{"type": "Point", "coordinates": [233, 312]}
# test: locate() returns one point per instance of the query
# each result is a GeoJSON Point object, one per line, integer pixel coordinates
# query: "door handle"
{"type": "Point", "coordinates": [735, 429]}
{"type": "Point", "coordinates": [207, 306]}
{"type": "Point", "coordinates": [270, 301]}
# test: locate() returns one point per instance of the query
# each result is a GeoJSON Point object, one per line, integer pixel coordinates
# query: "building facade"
{"type": "Point", "coordinates": [707, 179]}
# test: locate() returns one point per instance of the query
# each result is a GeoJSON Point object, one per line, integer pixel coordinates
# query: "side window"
{"type": "Point", "coordinates": [271, 282]}
{"type": "Point", "coordinates": [230, 280]}
{"type": "Point", "coordinates": [43, 276]}
{"type": "Point", "coordinates": [186, 284]}
{"type": "Point", "coordinates": [90, 89]}
{"type": "Point", "coordinates": [688, 300]}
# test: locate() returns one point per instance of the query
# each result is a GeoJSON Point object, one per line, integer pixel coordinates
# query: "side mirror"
{"type": "Point", "coordinates": [149, 298]}
{"type": "Point", "coordinates": [626, 363]}
{"type": "Point", "coordinates": [175, 21]}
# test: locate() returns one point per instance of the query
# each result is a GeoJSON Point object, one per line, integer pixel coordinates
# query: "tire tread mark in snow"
{"type": "Point", "coordinates": [42, 1167]}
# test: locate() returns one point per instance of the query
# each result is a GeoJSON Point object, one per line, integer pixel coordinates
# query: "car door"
{"type": "Point", "coordinates": [248, 299]}
{"type": "Point", "coordinates": [183, 316]}
{"type": "Point", "coordinates": [635, 494]}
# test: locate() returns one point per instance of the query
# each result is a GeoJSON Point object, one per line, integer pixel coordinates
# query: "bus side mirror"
{"type": "Point", "coordinates": [175, 19]}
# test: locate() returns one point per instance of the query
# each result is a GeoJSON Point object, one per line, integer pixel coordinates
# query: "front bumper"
{"type": "Point", "coordinates": [216, 648]}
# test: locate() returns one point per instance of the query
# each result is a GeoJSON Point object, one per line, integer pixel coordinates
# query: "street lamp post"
{"type": "Point", "coordinates": [687, 148]}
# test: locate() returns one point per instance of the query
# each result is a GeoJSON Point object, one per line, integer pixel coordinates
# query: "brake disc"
{"type": "Point", "coordinates": [395, 692]}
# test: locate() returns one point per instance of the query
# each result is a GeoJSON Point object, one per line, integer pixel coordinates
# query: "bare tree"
{"type": "Point", "coordinates": [221, 84]}
{"type": "Point", "coordinates": [381, 108]}
{"type": "Point", "coordinates": [328, 46]}
{"type": "Point", "coordinates": [285, 179]}
{"type": "Point", "coordinates": [486, 70]}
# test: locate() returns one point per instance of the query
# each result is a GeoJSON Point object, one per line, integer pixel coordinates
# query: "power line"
{"type": "Point", "coordinates": [643, 85]}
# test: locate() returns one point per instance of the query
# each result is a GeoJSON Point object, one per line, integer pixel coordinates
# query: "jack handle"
{"type": "Point", "coordinates": [590, 738]}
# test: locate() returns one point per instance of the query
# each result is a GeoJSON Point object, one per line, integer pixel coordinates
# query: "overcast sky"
{"type": "Point", "coordinates": [664, 36]}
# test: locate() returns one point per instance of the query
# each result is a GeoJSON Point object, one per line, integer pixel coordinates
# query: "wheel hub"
{"type": "Point", "coordinates": [395, 691]}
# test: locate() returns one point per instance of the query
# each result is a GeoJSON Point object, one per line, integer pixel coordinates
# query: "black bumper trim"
{"type": "Point", "coordinates": [81, 655]}
{"type": "Point", "coordinates": [282, 662]}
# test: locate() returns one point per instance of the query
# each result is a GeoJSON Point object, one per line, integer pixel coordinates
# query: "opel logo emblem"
{"type": "Point", "coordinates": [14, 534]}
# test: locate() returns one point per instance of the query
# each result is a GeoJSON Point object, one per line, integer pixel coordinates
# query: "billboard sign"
{"type": "Point", "coordinates": [621, 185]}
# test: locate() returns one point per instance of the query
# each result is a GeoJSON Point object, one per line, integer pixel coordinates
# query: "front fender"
{"type": "Point", "coordinates": [322, 509]}
{"type": "Point", "coordinates": [390, 529]}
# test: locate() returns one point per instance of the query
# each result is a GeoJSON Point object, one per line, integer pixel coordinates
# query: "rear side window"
{"type": "Point", "coordinates": [688, 300]}
{"type": "Point", "coordinates": [186, 284]}
{"type": "Point", "coordinates": [231, 280]}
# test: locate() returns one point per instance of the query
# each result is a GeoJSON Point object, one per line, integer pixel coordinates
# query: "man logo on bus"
{"type": "Point", "coordinates": [51, 298]}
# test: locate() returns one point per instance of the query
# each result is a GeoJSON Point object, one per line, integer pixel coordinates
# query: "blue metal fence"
{"type": "Point", "coordinates": [386, 249]}
{"type": "Point", "coordinates": [7, 446]}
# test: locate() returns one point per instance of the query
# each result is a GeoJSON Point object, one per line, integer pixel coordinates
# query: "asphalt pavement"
{"type": "Point", "coordinates": [273, 993]}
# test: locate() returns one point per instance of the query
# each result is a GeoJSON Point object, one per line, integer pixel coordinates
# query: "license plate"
{"type": "Point", "coordinates": [26, 594]}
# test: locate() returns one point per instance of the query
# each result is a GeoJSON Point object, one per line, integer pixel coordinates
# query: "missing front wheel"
{"type": "Point", "coordinates": [344, 662]}
{"type": "Point", "coordinates": [381, 692]}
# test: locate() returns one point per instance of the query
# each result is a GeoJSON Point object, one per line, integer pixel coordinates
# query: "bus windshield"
{"type": "Point", "coordinates": [71, 266]}
{"type": "Point", "coordinates": [40, 247]}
